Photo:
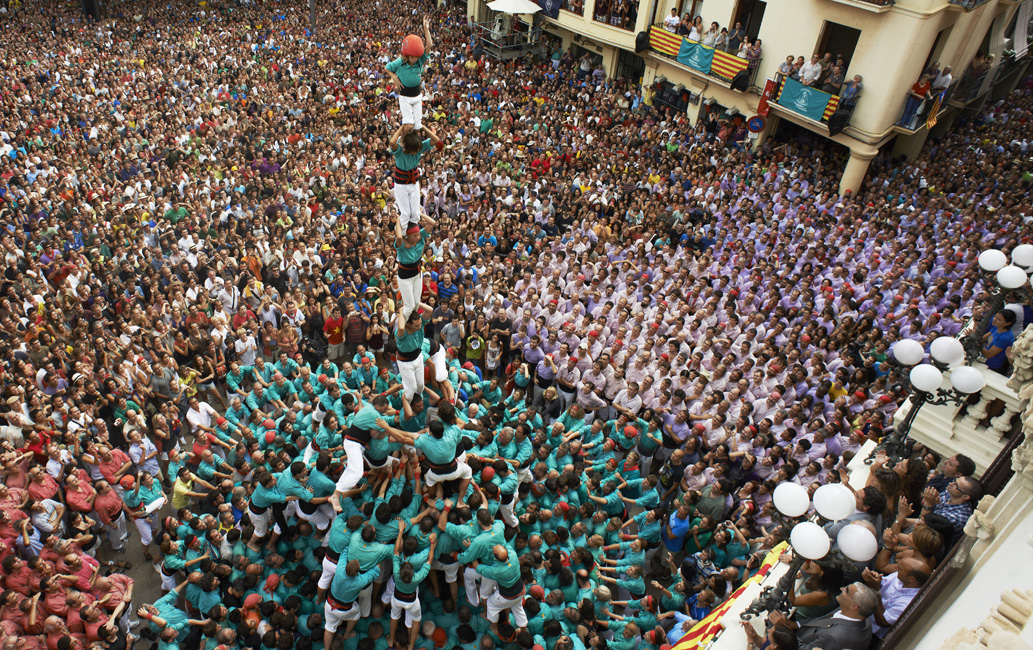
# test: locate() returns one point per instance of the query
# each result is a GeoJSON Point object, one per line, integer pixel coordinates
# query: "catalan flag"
{"type": "Point", "coordinates": [710, 627]}
{"type": "Point", "coordinates": [727, 65]}
{"type": "Point", "coordinates": [664, 41]}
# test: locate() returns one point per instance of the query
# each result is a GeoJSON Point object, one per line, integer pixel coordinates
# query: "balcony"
{"type": "Point", "coordinates": [914, 118]}
{"type": "Point", "coordinates": [875, 6]}
{"type": "Point", "coordinates": [966, 5]}
{"type": "Point", "coordinates": [809, 102]}
{"type": "Point", "coordinates": [967, 429]}
{"type": "Point", "coordinates": [699, 58]}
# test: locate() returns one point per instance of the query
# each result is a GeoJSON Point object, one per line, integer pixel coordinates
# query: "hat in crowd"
{"type": "Point", "coordinates": [269, 424]}
{"type": "Point", "coordinates": [221, 421]}
{"type": "Point", "coordinates": [537, 592]}
{"type": "Point", "coordinates": [859, 394]}
{"type": "Point", "coordinates": [775, 394]}
{"type": "Point", "coordinates": [487, 473]}
{"type": "Point", "coordinates": [440, 637]}
{"type": "Point", "coordinates": [127, 482]}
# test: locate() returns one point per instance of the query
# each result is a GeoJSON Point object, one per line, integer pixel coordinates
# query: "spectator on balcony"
{"type": "Point", "coordinates": [685, 26]}
{"type": "Point", "coordinates": [735, 38]}
{"type": "Point", "coordinates": [671, 22]}
{"type": "Point", "coordinates": [915, 98]}
{"type": "Point", "coordinates": [788, 67]}
{"type": "Point", "coordinates": [956, 466]}
{"type": "Point", "coordinates": [696, 30]}
{"type": "Point", "coordinates": [744, 48]}
{"type": "Point", "coordinates": [811, 71]}
{"type": "Point", "coordinates": [826, 67]}
{"type": "Point", "coordinates": [797, 68]}
{"type": "Point", "coordinates": [997, 341]}
{"type": "Point", "coordinates": [710, 38]}
{"type": "Point", "coordinates": [753, 56]}
{"type": "Point", "coordinates": [848, 628]}
{"type": "Point", "coordinates": [942, 80]}
{"type": "Point", "coordinates": [896, 591]}
{"type": "Point", "coordinates": [851, 91]}
{"type": "Point", "coordinates": [955, 504]}
{"type": "Point", "coordinates": [722, 40]}
{"type": "Point", "coordinates": [834, 82]}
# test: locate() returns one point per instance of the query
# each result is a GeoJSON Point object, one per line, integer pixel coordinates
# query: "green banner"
{"type": "Point", "coordinates": [807, 101]}
{"type": "Point", "coordinates": [696, 56]}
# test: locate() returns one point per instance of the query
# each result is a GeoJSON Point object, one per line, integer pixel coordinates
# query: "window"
{"type": "Point", "coordinates": [617, 13]}
{"type": "Point", "coordinates": [938, 45]}
{"type": "Point", "coordinates": [574, 7]}
{"type": "Point", "coordinates": [838, 40]}
{"type": "Point", "coordinates": [750, 13]}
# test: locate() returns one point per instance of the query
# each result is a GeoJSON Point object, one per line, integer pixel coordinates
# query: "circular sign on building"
{"type": "Point", "coordinates": [756, 124]}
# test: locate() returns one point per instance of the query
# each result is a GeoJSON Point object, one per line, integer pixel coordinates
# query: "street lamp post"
{"type": "Point", "coordinates": [924, 382]}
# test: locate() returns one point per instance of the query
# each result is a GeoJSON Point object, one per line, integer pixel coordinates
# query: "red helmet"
{"type": "Point", "coordinates": [412, 45]}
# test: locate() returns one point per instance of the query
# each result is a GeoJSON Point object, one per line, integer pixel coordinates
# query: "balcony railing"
{"type": "Point", "coordinates": [810, 102]}
{"type": "Point", "coordinates": [623, 18]}
{"type": "Point", "coordinates": [968, 5]}
{"type": "Point", "coordinates": [701, 58]}
{"type": "Point", "coordinates": [919, 113]}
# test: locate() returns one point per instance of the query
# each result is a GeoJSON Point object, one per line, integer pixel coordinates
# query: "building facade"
{"type": "Point", "coordinates": [888, 44]}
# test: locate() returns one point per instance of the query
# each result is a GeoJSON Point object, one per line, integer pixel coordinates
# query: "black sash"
{"type": "Point", "coordinates": [410, 356]}
{"type": "Point", "coordinates": [404, 597]}
{"type": "Point", "coordinates": [406, 271]}
{"type": "Point", "coordinates": [406, 176]}
{"type": "Point", "coordinates": [410, 91]}
{"type": "Point", "coordinates": [358, 435]}
{"type": "Point", "coordinates": [512, 591]}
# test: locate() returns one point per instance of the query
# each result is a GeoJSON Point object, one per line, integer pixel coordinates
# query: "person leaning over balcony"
{"type": "Point", "coordinates": [810, 71]}
{"type": "Point", "coordinates": [915, 97]}
{"type": "Point", "coordinates": [722, 40]}
{"type": "Point", "coordinates": [851, 91]}
{"type": "Point", "coordinates": [671, 22]}
{"type": "Point", "coordinates": [834, 82]}
{"type": "Point", "coordinates": [954, 467]}
{"type": "Point", "coordinates": [848, 628]}
{"type": "Point", "coordinates": [997, 341]}
{"type": "Point", "coordinates": [942, 81]}
{"type": "Point", "coordinates": [788, 67]}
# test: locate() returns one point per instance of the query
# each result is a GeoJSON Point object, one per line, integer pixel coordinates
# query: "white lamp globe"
{"type": "Point", "coordinates": [1011, 277]}
{"type": "Point", "coordinates": [992, 260]}
{"type": "Point", "coordinates": [1022, 255]}
{"type": "Point", "coordinates": [926, 378]}
{"type": "Point", "coordinates": [791, 499]}
{"type": "Point", "coordinates": [834, 501]}
{"type": "Point", "coordinates": [857, 543]}
{"type": "Point", "coordinates": [810, 540]}
{"type": "Point", "coordinates": [947, 350]}
{"type": "Point", "coordinates": [908, 352]}
{"type": "Point", "coordinates": [967, 379]}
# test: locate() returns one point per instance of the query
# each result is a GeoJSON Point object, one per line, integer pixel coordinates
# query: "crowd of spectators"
{"type": "Point", "coordinates": [645, 331]}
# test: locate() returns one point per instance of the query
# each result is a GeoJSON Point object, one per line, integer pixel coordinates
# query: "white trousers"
{"type": "Point", "coordinates": [407, 198]}
{"type": "Point", "coordinates": [412, 378]}
{"type": "Point", "coordinates": [498, 604]}
{"type": "Point", "coordinates": [353, 470]}
{"type": "Point", "coordinates": [411, 290]}
{"type": "Point", "coordinates": [334, 617]}
{"type": "Point", "coordinates": [117, 533]}
{"type": "Point", "coordinates": [365, 600]}
{"type": "Point", "coordinates": [412, 610]}
{"type": "Point", "coordinates": [440, 362]}
{"type": "Point", "coordinates": [261, 522]}
{"type": "Point", "coordinates": [146, 526]}
{"type": "Point", "coordinates": [327, 577]}
{"type": "Point", "coordinates": [411, 109]}
{"type": "Point", "coordinates": [474, 595]}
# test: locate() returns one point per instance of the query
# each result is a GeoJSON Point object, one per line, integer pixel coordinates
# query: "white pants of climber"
{"type": "Point", "coordinates": [473, 594]}
{"type": "Point", "coordinates": [497, 604]}
{"type": "Point", "coordinates": [168, 583]}
{"type": "Point", "coordinates": [146, 526]}
{"type": "Point", "coordinates": [506, 512]}
{"type": "Point", "coordinates": [412, 378]}
{"type": "Point", "coordinates": [440, 364]}
{"type": "Point", "coordinates": [451, 570]}
{"type": "Point", "coordinates": [412, 610]}
{"type": "Point", "coordinates": [365, 600]}
{"type": "Point", "coordinates": [117, 533]}
{"type": "Point", "coordinates": [407, 198]}
{"type": "Point", "coordinates": [462, 471]}
{"type": "Point", "coordinates": [334, 617]}
{"type": "Point", "coordinates": [320, 519]}
{"type": "Point", "coordinates": [353, 470]}
{"type": "Point", "coordinates": [329, 569]}
{"type": "Point", "coordinates": [411, 290]}
{"type": "Point", "coordinates": [261, 522]}
{"type": "Point", "coordinates": [411, 109]}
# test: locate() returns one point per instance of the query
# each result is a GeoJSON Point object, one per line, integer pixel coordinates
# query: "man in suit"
{"type": "Point", "coordinates": [848, 628]}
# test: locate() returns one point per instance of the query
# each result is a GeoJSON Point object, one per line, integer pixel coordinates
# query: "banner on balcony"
{"type": "Point", "coordinates": [551, 8]}
{"type": "Point", "coordinates": [934, 111]}
{"type": "Point", "coordinates": [807, 101]}
{"type": "Point", "coordinates": [696, 56]}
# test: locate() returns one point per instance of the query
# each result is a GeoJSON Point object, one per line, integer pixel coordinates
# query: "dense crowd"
{"type": "Point", "coordinates": [626, 334]}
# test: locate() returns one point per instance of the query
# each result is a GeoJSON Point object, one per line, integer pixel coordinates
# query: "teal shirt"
{"type": "Point", "coordinates": [412, 254]}
{"type": "Point", "coordinates": [409, 161]}
{"type": "Point", "coordinates": [409, 342]}
{"type": "Point", "coordinates": [410, 75]}
{"type": "Point", "coordinates": [440, 451]}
